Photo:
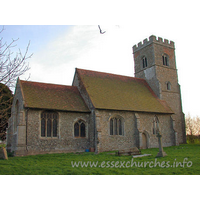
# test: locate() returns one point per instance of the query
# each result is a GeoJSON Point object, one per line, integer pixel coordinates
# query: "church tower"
{"type": "Point", "coordinates": [155, 62]}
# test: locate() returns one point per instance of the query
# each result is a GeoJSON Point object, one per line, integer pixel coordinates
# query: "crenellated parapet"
{"type": "Point", "coordinates": [153, 39]}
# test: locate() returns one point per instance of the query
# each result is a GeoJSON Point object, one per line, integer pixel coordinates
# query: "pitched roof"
{"type": "Point", "coordinates": [50, 96]}
{"type": "Point", "coordinates": [115, 92]}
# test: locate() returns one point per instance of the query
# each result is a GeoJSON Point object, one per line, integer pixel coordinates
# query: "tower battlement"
{"type": "Point", "coordinates": [153, 39]}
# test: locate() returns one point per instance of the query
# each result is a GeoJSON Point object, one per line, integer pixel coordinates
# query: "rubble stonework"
{"type": "Point", "coordinates": [137, 124]}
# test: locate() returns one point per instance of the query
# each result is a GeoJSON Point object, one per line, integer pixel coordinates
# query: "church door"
{"type": "Point", "coordinates": [144, 141]}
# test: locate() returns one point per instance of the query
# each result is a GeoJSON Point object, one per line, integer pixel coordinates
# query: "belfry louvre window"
{"type": "Point", "coordinates": [79, 129]}
{"type": "Point", "coordinates": [165, 60]}
{"type": "Point", "coordinates": [49, 124]}
{"type": "Point", "coordinates": [116, 126]}
{"type": "Point", "coordinates": [144, 62]}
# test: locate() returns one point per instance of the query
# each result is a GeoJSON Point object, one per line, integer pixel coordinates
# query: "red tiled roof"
{"type": "Point", "coordinates": [54, 97]}
{"type": "Point", "coordinates": [116, 92]}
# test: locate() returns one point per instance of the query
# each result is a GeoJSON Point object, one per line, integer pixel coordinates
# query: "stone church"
{"type": "Point", "coordinates": [102, 111]}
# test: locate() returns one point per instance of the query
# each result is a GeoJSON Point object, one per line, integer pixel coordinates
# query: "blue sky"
{"type": "Point", "coordinates": [59, 49]}
{"type": "Point", "coordinates": [38, 35]}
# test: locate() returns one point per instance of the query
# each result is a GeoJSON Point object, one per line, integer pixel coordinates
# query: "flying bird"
{"type": "Point", "coordinates": [101, 30]}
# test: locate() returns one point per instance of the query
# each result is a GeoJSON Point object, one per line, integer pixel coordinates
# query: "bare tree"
{"type": "Point", "coordinates": [192, 128]}
{"type": "Point", "coordinates": [197, 127]}
{"type": "Point", "coordinates": [11, 67]}
{"type": "Point", "coordinates": [189, 125]}
{"type": "Point", "coordinates": [192, 125]}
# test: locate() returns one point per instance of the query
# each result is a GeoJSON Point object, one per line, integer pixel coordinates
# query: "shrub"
{"type": "Point", "coordinates": [193, 139]}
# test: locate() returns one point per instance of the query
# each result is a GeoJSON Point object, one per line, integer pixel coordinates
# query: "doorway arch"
{"type": "Point", "coordinates": [144, 140]}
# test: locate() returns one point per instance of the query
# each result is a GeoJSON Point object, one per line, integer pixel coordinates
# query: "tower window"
{"type": "Point", "coordinates": [165, 60]}
{"type": "Point", "coordinates": [168, 86]}
{"type": "Point", "coordinates": [144, 62]}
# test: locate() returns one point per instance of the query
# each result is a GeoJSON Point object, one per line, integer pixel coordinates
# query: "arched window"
{"type": "Point", "coordinates": [168, 86]}
{"type": "Point", "coordinates": [165, 59]}
{"type": "Point", "coordinates": [116, 126]}
{"type": "Point", "coordinates": [144, 62]}
{"type": "Point", "coordinates": [49, 124]}
{"type": "Point", "coordinates": [155, 125]}
{"type": "Point", "coordinates": [79, 129]}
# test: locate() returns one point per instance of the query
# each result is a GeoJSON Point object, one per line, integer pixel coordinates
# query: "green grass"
{"type": "Point", "coordinates": [60, 164]}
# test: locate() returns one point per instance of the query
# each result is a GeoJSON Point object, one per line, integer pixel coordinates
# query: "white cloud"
{"type": "Point", "coordinates": [84, 47]}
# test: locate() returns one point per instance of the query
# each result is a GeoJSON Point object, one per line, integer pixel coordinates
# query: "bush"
{"type": "Point", "coordinates": [11, 154]}
{"type": "Point", "coordinates": [193, 139]}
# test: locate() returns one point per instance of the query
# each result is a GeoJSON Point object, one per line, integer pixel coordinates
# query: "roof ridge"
{"type": "Point", "coordinates": [46, 83]}
{"type": "Point", "coordinates": [132, 77]}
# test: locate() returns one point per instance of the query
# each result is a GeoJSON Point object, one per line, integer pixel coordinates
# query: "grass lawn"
{"type": "Point", "coordinates": [61, 164]}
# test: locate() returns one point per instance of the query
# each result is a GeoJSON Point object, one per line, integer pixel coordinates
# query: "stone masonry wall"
{"type": "Point", "coordinates": [132, 129]}
{"type": "Point", "coordinates": [109, 142]}
{"type": "Point", "coordinates": [165, 125]}
{"type": "Point", "coordinates": [16, 139]}
{"type": "Point", "coordinates": [65, 142]}
{"type": "Point", "coordinates": [158, 75]}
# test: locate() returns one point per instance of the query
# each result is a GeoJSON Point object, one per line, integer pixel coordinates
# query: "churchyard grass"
{"type": "Point", "coordinates": [111, 164]}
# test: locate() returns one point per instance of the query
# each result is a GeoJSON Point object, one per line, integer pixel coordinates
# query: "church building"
{"type": "Point", "coordinates": [102, 111]}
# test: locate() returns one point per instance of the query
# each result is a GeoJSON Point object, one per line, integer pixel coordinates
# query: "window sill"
{"type": "Point", "coordinates": [117, 135]}
{"type": "Point", "coordinates": [80, 137]}
{"type": "Point", "coordinates": [49, 138]}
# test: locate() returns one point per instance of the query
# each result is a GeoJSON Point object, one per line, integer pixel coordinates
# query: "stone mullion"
{"type": "Point", "coordinates": [45, 126]}
{"type": "Point", "coordinates": [117, 126]}
{"type": "Point", "coordinates": [79, 129]}
{"type": "Point", "coordinates": [51, 126]}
